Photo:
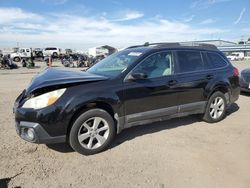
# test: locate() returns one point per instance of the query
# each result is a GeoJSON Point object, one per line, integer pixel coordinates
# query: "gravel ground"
{"type": "Point", "coordinates": [177, 153]}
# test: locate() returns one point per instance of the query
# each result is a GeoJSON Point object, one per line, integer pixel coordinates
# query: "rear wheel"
{"type": "Point", "coordinates": [92, 132]}
{"type": "Point", "coordinates": [216, 108]}
{"type": "Point", "coordinates": [55, 54]}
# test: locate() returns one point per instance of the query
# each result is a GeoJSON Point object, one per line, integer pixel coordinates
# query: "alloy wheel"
{"type": "Point", "coordinates": [93, 133]}
{"type": "Point", "coordinates": [217, 108]}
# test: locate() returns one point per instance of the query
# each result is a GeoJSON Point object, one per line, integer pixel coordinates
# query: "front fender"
{"type": "Point", "coordinates": [78, 99]}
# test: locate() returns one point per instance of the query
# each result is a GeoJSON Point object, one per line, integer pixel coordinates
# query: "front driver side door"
{"type": "Point", "coordinates": [152, 97]}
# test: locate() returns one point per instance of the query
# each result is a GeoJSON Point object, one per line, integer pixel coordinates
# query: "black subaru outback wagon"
{"type": "Point", "coordinates": [139, 85]}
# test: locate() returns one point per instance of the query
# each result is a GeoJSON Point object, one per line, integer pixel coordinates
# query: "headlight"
{"type": "Point", "coordinates": [44, 100]}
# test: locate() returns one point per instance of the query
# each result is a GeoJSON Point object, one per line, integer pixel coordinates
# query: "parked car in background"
{"type": "Point", "coordinates": [52, 51]}
{"type": "Point", "coordinates": [38, 53]}
{"type": "Point", "coordinates": [101, 50]}
{"type": "Point", "coordinates": [236, 56]}
{"type": "Point", "coordinates": [21, 53]}
{"type": "Point", "coordinates": [136, 86]}
{"type": "Point", "coordinates": [68, 51]}
{"type": "Point", "coordinates": [6, 62]}
{"type": "Point", "coordinates": [75, 60]}
{"type": "Point", "coordinates": [245, 80]}
{"type": "Point", "coordinates": [67, 60]}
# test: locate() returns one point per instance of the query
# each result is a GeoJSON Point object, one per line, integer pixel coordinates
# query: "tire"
{"type": "Point", "coordinates": [16, 59]}
{"type": "Point", "coordinates": [214, 105]}
{"type": "Point", "coordinates": [83, 136]}
{"type": "Point", "coordinates": [55, 54]}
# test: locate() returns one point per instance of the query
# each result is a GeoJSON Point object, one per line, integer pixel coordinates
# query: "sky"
{"type": "Point", "coordinates": [81, 24]}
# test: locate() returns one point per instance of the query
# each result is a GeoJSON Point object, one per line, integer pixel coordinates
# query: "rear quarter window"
{"type": "Point", "coordinates": [216, 60]}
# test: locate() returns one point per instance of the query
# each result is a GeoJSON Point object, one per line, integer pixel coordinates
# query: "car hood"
{"type": "Point", "coordinates": [61, 76]}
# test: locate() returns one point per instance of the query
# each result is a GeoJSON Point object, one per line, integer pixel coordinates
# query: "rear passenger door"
{"type": "Point", "coordinates": [193, 75]}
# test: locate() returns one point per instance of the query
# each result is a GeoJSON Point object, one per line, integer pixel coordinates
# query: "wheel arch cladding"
{"type": "Point", "coordinates": [91, 105]}
{"type": "Point", "coordinates": [225, 89]}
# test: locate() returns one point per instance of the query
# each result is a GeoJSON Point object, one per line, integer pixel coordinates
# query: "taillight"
{"type": "Point", "coordinates": [235, 72]}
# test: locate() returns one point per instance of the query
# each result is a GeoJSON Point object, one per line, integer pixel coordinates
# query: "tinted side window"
{"type": "Point", "coordinates": [156, 65]}
{"type": "Point", "coordinates": [189, 61]}
{"type": "Point", "coordinates": [216, 60]}
{"type": "Point", "coordinates": [50, 48]}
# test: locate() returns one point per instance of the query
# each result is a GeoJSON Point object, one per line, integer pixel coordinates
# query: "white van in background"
{"type": "Point", "coordinates": [51, 51]}
{"type": "Point", "coordinates": [236, 56]}
{"type": "Point", "coordinates": [21, 53]}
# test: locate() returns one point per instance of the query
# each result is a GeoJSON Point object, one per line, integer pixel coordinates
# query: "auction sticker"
{"type": "Point", "coordinates": [134, 53]}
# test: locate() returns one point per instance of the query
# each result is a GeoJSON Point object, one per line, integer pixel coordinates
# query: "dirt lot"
{"type": "Point", "coordinates": [177, 153]}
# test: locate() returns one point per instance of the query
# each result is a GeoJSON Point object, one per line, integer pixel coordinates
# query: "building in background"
{"type": "Point", "coordinates": [217, 42]}
{"type": "Point", "coordinates": [238, 48]}
{"type": "Point", "coordinates": [230, 48]}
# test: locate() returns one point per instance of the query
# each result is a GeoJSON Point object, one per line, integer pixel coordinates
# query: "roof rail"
{"type": "Point", "coordinates": [205, 45]}
{"type": "Point", "coordinates": [176, 44]}
{"type": "Point", "coordinates": [146, 44]}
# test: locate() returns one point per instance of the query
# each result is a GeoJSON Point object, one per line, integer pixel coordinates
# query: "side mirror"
{"type": "Point", "coordinates": [138, 76]}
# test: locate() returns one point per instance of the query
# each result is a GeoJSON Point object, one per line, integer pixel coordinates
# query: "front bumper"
{"type": "Point", "coordinates": [40, 136]}
{"type": "Point", "coordinates": [45, 125]}
{"type": "Point", "coordinates": [245, 89]}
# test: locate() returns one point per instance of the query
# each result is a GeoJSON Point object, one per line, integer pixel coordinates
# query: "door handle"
{"type": "Point", "coordinates": [210, 76]}
{"type": "Point", "coordinates": [172, 82]}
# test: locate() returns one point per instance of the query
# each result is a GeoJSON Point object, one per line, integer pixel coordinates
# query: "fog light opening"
{"type": "Point", "coordinates": [30, 134]}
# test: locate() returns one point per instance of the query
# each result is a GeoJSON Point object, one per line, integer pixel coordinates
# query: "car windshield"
{"type": "Point", "coordinates": [116, 63]}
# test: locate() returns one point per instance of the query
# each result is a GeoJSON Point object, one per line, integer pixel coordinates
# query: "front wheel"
{"type": "Point", "coordinates": [216, 108]}
{"type": "Point", "coordinates": [92, 132]}
{"type": "Point", "coordinates": [17, 59]}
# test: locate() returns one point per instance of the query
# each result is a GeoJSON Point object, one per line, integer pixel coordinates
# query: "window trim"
{"type": "Point", "coordinates": [205, 60]}
{"type": "Point", "coordinates": [174, 62]}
